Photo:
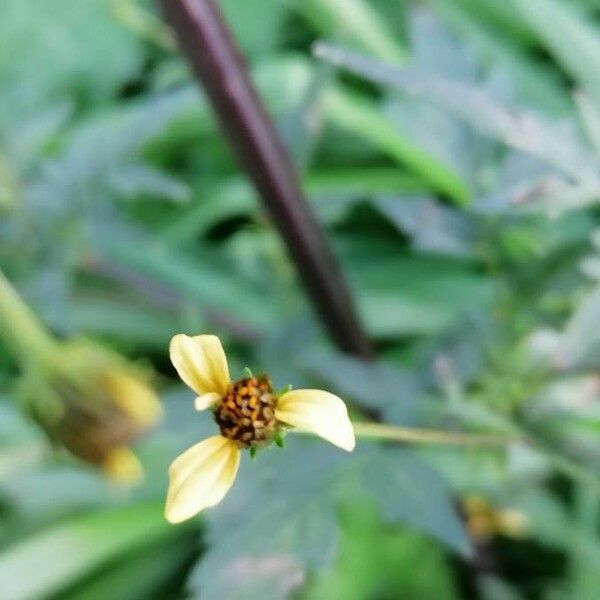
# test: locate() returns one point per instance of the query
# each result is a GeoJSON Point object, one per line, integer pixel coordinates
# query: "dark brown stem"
{"type": "Point", "coordinates": [206, 41]}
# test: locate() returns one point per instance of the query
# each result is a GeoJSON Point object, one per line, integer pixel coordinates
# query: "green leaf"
{"type": "Point", "coordinates": [411, 294]}
{"type": "Point", "coordinates": [72, 549]}
{"type": "Point", "coordinates": [332, 192]}
{"type": "Point", "coordinates": [135, 181]}
{"type": "Point", "coordinates": [534, 81]}
{"type": "Point", "coordinates": [49, 48]}
{"type": "Point", "coordinates": [354, 20]}
{"type": "Point", "coordinates": [557, 143]}
{"type": "Point", "coordinates": [580, 342]}
{"type": "Point", "coordinates": [201, 280]}
{"type": "Point", "coordinates": [377, 561]}
{"type": "Point", "coordinates": [20, 443]}
{"type": "Point", "coordinates": [407, 490]}
{"type": "Point", "coordinates": [257, 25]}
{"type": "Point", "coordinates": [362, 117]}
{"type": "Point", "coordinates": [499, 15]}
{"type": "Point", "coordinates": [431, 226]}
{"type": "Point", "coordinates": [589, 113]}
{"type": "Point", "coordinates": [277, 522]}
{"type": "Point", "coordinates": [569, 37]}
{"type": "Point", "coordinates": [129, 321]}
{"type": "Point", "coordinates": [147, 574]}
{"type": "Point", "coordinates": [96, 149]}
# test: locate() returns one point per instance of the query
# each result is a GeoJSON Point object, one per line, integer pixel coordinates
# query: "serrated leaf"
{"type": "Point", "coordinates": [277, 522]}
{"type": "Point", "coordinates": [436, 50]}
{"type": "Point", "coordinates": [581, 338]}
{"type": "Point", "coordinates": [499, 15]}
{"type": "Point", "coordinates": [525, 130]}
{"type": "Point", "coordinates": [355, 20]}
{"type": "Point", "coordinates": [441, 291]}
{"type": "Point", "coordinates": [536, 82]}
{"type": "Point", "coordinates": [332, 194]}
{"type": "Point", "coordinates": [361, 117]}
{"type": "Point", "coordinates": [75, 178]}
{"type": "Point", "coordinates": [132, 181]}
{"type": "Point", "coordinates": [590, 118]}
{"type": "Point", "coordinates": [257, 25]}
{"type": "Point", "coordinates": [571, 39]}
{"type": "Point", "coordinates": [275, 576]}
{"type": "Point", "coordinates": [431, 226]}
{"type": "Point", "coordinates": [117, 318]}
{"type": "Point", "coordinates": [201, 280]}
{"type": "Point", "coordinates": [382, 560]}
{"type": "Point", "coordinates": [61, 46]}
{"type": "Point", "coordinates": [409, 491]}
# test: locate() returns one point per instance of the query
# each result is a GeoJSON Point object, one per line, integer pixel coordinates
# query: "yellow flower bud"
{"type": "Point", "coordinates": [485, 521]}
{"type": "Point", "coordinates": [100, 404]}
{"type": "Point", "coordinates": [86, 398]}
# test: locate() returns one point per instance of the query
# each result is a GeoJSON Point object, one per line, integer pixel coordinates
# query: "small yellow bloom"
{"type": "Point", "coordinates": [485, 521]}
{"type": "Point", "coordinates": [249, 415]}
{"type": "Point", "coordinates": [95, 404]}
{"type": "Point", "coordinates": [121, 465]}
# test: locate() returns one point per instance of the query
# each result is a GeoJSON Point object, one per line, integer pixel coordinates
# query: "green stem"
{"type": "Point", "coordinates": [143, 23]}
{"type": "Point", "coordinates": [394, 433]}
{"type": "Point", "coordinates": [21, 329]}
{"type": "Point", "coordinates": [478, 414]}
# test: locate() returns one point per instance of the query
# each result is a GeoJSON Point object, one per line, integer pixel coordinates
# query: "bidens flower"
{"type": "Point", "coordinates": [85, 397]}
{"type": "Point", "coordinates": [249, 415]}
{"type": "Point", "coordinates": [95, 404]}
{"type": "Point", "coordinates": [484, 521]}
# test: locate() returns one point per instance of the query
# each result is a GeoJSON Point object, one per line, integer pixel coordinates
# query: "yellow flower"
{"type": "Point", "coordinates": [95, 404]}
{"type": "Point", "coordinates": [249, 415]}
{"type": "Point", "coordinates": [86, 398]}
{"type": "Point", "coordinates": [485, 521]}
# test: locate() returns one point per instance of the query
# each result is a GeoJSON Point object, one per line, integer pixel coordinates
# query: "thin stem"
{"type": "Point", "coordinates": [143, 23]}
{"type": "Point", "coordinates": [482, 415]}
{"type": "Point", "coordinates": [21, 329]}
{"type": "Point", "coordinates": [207, 42]}
{"type": "Point", "coordinates": [394, 433]}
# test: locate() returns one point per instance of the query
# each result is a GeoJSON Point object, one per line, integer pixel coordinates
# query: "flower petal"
{"type": "Point", "coordinates": [200, 362]}
{"type": "Point", "coordinates": [200, 477]}
{"type": "Point", "coordinates": [206, 400]}
{"type": "Point", "coordinates": [319, 412]}
{"type": "Point", "coordinates": [134, 396]}
{"type": "Point", "coordinates": [122, 466]}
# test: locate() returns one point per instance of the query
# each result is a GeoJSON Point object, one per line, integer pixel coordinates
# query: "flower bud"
{"type": "Point", "coordinates": [94, 403]}
{"type": "Point", "coordinates": [86, 398]}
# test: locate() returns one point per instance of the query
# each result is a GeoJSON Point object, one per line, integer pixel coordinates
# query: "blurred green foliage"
{"type": "Point", "coordinates": [451, 149]}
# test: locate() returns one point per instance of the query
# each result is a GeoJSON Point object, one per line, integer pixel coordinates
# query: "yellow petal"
{"type": "Point", "coordinates": [206, 401]}
{"type": "Point", "coordinates": [201, 363]}
{"type": "Point", "coordinates": [201, 477]}
{"type": "Point", "coordinates": [134, 396]}
{"type": "Point", "coordinates": [319, 412]}
{"type": "Point", "coordinates": [122, 466]}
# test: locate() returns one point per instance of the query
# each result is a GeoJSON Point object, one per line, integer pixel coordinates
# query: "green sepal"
{"type": "Point", "coordinates": [284, 390]}
{"type": "Point", "coordinates": [253, 451]}
{"type": "Point", "coordinates": [247, 372]}
{"type": "Point", "coordinates": [279, 439]}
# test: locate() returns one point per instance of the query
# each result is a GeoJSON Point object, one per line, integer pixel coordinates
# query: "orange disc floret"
{"type": "Point", "coordinates": [246, 414]}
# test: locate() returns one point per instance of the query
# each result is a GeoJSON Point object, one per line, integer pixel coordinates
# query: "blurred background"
{"type": "Point", "coordinates": [450, 149]}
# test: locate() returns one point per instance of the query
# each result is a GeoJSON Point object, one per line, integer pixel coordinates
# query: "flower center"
{"type": "Point", "coordinates": [246, 413]}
